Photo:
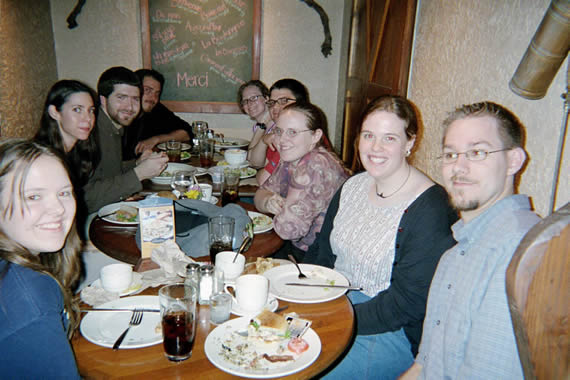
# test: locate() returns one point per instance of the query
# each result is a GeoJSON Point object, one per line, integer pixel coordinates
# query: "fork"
{"type": "Point", "coordinates": [136, 319]}
{"type": "Point", "coordinates": [301, 274]}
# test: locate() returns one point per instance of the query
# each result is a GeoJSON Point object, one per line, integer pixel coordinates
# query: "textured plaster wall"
{"type": "Point", "coordinates": [467, 51]}
{"type": "Point", "coordinates": [109, 34]}
{"type": "Point", "coordinates": [27, 64]}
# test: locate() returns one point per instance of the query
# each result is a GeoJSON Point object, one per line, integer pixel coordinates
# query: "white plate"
{"type": "Point", "coordinates": [186, 155]}
{"type": "Point", "coordinates": [258, 229]}
{"type": "Point", "coordinates": [250, 268]}
{"type": "Point", "coordinates": [213, 349]}
{"type": "Point", "coordinates": [104, 328]}
{"type": "Point", "coordinates": [271, 305]}
{"type": "Point", "coordinates": [231, 142]}
{"type": "Point", "coordinates": [173, 167]}
{"type": "Point", "coordinates": [106, 210]}
{"type": "Point", "coordinates": [247, 173]}
{"type": "Point", "coordinates": [183, 146]}
{"type": "Point", "coordinates": [136, 284]}
{"type": "Point", "coordinates": [243, 165]}
{"type": "Point", "coordinates": [316, 274]}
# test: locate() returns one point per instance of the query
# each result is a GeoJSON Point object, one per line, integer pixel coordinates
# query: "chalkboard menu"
{"type": "Point", "coordinates": [204, 48]}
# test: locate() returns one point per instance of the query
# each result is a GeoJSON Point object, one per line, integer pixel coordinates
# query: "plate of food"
{"type": "Point", "coordinates": [243, 165]}
{"type": "Point", "coordinates": [263, 264]}
{"type": "Point", "coordinates": [261, 348]}
{"type": "Point", "coordinates": [120, 213]}
{"type": "Point", "coordinates": [165, 177]}
{"type": "Point", "coordinates": [183, 146]}
{"type": "Point", "coordinates": [247, 173]}
{"type": "Point", "coordinates": [103, 328]}
{"type": "Point", "coordinates": [185, 156]}
{"type": "Point", "coordinates": [230, 142]}
{"type": "Point", "coordinates": [261, 222]}
{"type": "Point", "coordinates": [316, 274]}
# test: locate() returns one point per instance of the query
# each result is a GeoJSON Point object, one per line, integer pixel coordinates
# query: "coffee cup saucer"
{"type": "Point", "coordinates": [135, 285]}
{"type": "Point", "coordinates": [271, 305]}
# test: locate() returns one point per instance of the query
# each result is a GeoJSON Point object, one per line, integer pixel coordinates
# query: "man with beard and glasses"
{"type": "Point", "coordinates": [155, 124]}
{"type": "Point", "coordinates": [467, 331]}
{"type": "Point", "coordinates": [114, 179]}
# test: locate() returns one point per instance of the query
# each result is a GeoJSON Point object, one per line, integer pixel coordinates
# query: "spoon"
{"type": "Point", "coordinates": [244, 247]}
{"type": "Point", "coordinates": [301, 274]}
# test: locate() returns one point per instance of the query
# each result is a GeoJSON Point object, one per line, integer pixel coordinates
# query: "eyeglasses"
{"type": "Point", "coordinates": [471, 155]}
{"type": "Point", "coordinates": [281, 101]}
{"type": "Point", "coordinates": [252, 99]}
{"type": "Point", "coordinates": [288, 132]}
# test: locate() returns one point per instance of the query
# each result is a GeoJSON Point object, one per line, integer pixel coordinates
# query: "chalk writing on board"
{"type": "Point", "coordinates": [204, 48]}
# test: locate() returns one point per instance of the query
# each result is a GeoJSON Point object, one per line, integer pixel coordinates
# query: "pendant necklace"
{"type": "Point", "coordinates": [381, 195]}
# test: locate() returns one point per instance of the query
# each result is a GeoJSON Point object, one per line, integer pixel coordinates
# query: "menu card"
{"type": "Point", "coordinates": [156, 221]}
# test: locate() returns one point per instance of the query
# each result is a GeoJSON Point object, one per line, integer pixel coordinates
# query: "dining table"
{"type": "Point", "coordinates": [120, 244]}
{"type": "Point", "coordinates": [332, 321]}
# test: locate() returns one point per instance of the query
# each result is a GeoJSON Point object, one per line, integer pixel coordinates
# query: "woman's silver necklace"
{"type": "Point", "coordinates": [381, 195]}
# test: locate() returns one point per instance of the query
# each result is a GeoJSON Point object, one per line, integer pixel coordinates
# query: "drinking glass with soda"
{"type": "Point", "coordinates": [178, 314]}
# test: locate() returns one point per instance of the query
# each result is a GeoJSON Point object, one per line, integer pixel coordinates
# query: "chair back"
{"type": "Point", "coordinates": [538, 290]}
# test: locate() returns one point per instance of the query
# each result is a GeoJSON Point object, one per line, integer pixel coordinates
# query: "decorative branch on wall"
{"type": "Point", "coordinates": [71, 19]}
{"type": "Point", "coordinates": [326, 46]}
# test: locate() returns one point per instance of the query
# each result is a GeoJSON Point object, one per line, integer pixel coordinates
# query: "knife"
{"type": "Point", "coordinates": [325, 286]}
{"type": "Point", "coordinates": [130, 310]}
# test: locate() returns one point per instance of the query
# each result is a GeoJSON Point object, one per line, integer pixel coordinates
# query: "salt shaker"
{"type": "Point", "coordinates": [206, 286]}
{"type": "Point", "coordinates": [192, 276]}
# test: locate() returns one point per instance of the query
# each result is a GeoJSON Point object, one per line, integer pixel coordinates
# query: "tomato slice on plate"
{"type": "Point", "coordinates": [298, 345]}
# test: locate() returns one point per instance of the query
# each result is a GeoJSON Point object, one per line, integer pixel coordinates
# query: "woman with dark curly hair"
{"type": "Point", "coordinates": [39, 263]}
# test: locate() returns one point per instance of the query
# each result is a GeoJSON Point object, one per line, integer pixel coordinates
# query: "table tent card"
{"type": "Point", "coordinates": [156, 219]}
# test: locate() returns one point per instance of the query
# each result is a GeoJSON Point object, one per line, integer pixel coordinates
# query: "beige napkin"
{"type": "Point", "coordinates": [171, 259]}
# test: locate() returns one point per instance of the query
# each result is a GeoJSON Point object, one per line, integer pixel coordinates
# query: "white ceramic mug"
{"type": "Point", "coordinates": [251, 292]}
{"type": "Point", "coordinates": [206, 190]}
{"type": "Point", "coordinates": [231, 269]}
{"type": "Point", "coordinates": [116, 278]}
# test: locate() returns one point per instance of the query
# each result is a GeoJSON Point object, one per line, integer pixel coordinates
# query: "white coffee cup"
{"type": "Point", "coordinates": [251, 291]}
{"type": "Point", "coordinates": [206, 190]}
{"type": "Point", "coordinates": [231, 269]}
{"type": "Point", "coordinates": [116, 278]}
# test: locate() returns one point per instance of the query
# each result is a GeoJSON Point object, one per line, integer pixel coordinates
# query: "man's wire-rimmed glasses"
{"type": "Point", "coordinates": [471, 155]}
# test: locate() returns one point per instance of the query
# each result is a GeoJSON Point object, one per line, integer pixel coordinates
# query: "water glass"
{"type": "Point", "coordinates": [182, 181]}
{"type": "Point", "coordinates": [220, 308]}
{"type": "Point", "coordinates": [178, 315]}
{"type": "Point", "coordinates": [199, 128]}
{"type": "Point", "coordinates": [217, 174]}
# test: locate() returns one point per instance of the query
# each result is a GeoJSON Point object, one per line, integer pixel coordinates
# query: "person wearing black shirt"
{"type": "Point", "coordinates": [156, 123]}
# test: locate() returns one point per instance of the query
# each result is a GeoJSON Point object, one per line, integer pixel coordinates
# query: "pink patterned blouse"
{"type": "Point", "coordinates": [307, 188]}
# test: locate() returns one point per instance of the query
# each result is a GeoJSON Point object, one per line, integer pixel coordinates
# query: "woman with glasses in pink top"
{"type": "Point", "coordinates": [282, 93]}
{"type": "Point", "coordinates": [301, 186]}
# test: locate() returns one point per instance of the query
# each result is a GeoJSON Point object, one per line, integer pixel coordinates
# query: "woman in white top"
{"type": "Point", "coordinates": [385, 230]}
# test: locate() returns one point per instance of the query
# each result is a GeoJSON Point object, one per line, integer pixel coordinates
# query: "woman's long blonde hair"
{"type": "Point", "coordinates": [16, 158]}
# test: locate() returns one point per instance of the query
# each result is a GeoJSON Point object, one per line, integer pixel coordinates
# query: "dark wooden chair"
{"type": "Point", "coordinates": [538, 289]}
